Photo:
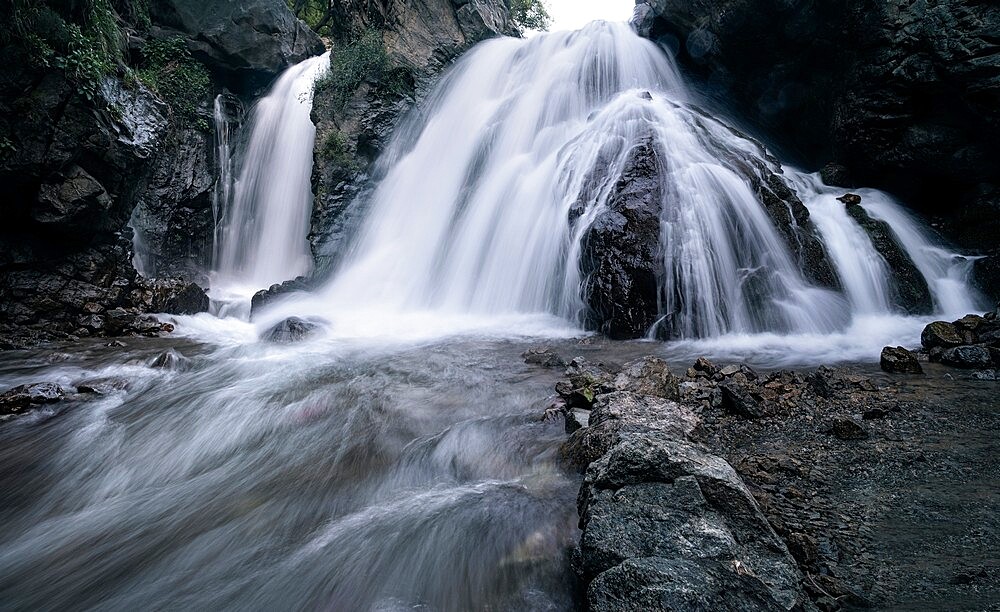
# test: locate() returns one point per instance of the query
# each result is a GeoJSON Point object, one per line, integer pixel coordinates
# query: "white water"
{"type": "Point", "coordinates": [263, 217]}
{"type": "Point", "coordinates": [471, 222]}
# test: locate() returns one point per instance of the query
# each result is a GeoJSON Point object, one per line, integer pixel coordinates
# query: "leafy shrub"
{"type": "Point", "coordinates": [361, 59]}
{"type": "Point", "coordinates": [182, 81]}
{"type": "Point", "coordinates": [530, 14]}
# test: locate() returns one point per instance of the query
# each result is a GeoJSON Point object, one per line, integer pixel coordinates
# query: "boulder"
{"type": "Point", "coordinates": [25, 397]}
{"type": "Point", "coordinates": [973, 357]}
{"type": "Point", "coordinates": [737, 399]}
{"type": "Point", "coordinates": [898, 360]}
{"type": "Point", "coordinates": [668, 526]}
{"type": "Point", "coordinates": [940, 334]}
{"type": "Point", "coordinates": [648, 376]}
{"type": "Point", "coordinates": [543, 356]}
{"type": "Point", "coordinates": [292, 329]}
{"type": "Point", "coordinates": [268, 296]}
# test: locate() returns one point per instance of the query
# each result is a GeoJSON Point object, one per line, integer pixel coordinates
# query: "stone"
{"type": "Point", "coordinates": [263, 298]}
{"type": "Point", "coordinates": [848, 428]}
{"type": "Point", "coordinates": [543, 356]}
{"type": "Point", "coordinates": [655, 501]}
{"type": "Point", "coordinates": [292, 329]}
{"type": "Point", "coordinates": [971, 357]}
{"type": "Point", "coordinates": [22, 398]}
{"type": "Point", "coordinates": [648, 376]}
{"type": "Point", "coordinates": [940, 334]}
{"type": "Point", "coordinates": [170, 359]}
{"type": "Point", "coordinates": [898, 360]}
{"type": "Point", "coordinates": [740, 401]}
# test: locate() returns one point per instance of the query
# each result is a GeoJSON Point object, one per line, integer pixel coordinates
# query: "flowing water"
{"type": "Point", "coordinates": [263, 213]}
{"type": "Point", "coordinates": [398, 461]}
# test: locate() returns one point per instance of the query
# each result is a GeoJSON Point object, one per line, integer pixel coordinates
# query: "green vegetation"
{"type": "Point", "coordinates": [87, 45]}
{"type": "Point", "coordinates": [182, 81]}
{"type": "Point", "coordinates": [530, 14]}
{"type": "Point", "coordinates": [362, 58]}
{"type": "Point", "coordinates": [335, 150]}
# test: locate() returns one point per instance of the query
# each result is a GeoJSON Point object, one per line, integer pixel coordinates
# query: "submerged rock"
{"type": "Point", "coordinates": [292, 329]}
{"type": "Point", "coordinates": [543, 356]}
{"type": "Point", "coordinates": [898, 360]}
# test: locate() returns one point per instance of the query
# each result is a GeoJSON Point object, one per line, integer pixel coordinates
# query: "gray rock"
{"type": "Point", "coordinates": [290, 330]}
{"type": "Point", "coordinates": [543, 356]}
{"type": "Point", "coordinates": [739, 400]}
{"type": "Point", "coordinates": [973, 357]}
{"type": "Point", "coordinates": [663, 518]}
{"type": "Point", "coordinates": [22, 398]}
{"type": "Point", "coordinates": [940, 334]}
{"type": "Point", "coordinates": [898, 360]}
{"type": "Point", "coordinates": [848, 428]}
{"type": "Point", "coordinates": [253, 40]}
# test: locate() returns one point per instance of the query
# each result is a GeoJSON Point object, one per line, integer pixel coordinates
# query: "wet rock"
{"type": "Point", "coordinates": [985, 375]}
{"type": "Point", "coordinates": [705, 366]}
{"type": "Point", "coordinates": [848, 428]}
{"type": "Point", "coordinates": [170, 360]}
{"type": "Point", "coordinates": [910, 286]}
{"type": "Point", "coordinates": [738, 400]}
{"type": "Point", "coordinates": [940, 334]}
{"type": "Point", "coordinates": [666, 523]}
{"type": "Point", "coordinates": [292, 329]}
{"type": "Point", "coordinates": [898, 360]}
{"type": "Point", "coordinates": [648, 376]}
{"type": "Point", "coordinates": [586, 382]}
{"type": "Point", "coordinates": [268, 296]}
{"type": "Point", "coordinates": [543, 356]}
{"type": "Point", "coordinates": [970, 357]}
{"type": "Point", "coordinates": [25, 397]}
{"type": "Point", "coordinates": [620, 251]}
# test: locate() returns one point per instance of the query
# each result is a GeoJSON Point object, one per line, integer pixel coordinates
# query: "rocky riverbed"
{"type": "Point", "coordinates": [723, 487]}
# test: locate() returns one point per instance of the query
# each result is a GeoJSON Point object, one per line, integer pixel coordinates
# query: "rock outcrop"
{"type": "Point", "coordinates": [244, 43]}
{"type": "Point", "coordinates": [418, 39]}
{"type": "Point", "coordinates": [897, 95]}
{"type": "Point", "coordinates": [970, 343]}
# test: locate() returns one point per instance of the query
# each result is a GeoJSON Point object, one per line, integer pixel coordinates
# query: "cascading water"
{"type": "Point", "coordinates": [473, 214]}
{"type": "Point", "coordinates": [263, 215]}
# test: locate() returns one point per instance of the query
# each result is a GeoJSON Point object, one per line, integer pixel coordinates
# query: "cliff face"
{"type": "Point", "coordinates": [899, 95]}
{"type": "Point", "coordinates": [403, 48]}
{"type": "Point", "coordinates": [105, 114]}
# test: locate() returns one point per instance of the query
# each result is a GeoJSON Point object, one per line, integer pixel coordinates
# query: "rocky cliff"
{"type": "Point", "coordinates": [390, 54]}
{"type": "Point", "coordinates": [105, 113]}
{"type": "Point", "coordinates": [899, 95]}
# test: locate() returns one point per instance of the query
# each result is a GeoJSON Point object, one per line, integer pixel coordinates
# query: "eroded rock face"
{"type": "Point", "coordinates": [898, 95]}
{"type": "Point", "coordinates": [620, 253]}
{"type": "Point", "coordinates": [245, 43]}
{"type": "Point", "coordinates": [421, 39]}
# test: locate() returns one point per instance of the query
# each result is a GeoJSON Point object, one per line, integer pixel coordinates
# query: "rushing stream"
{"type": "Point", "coordinates": [399, 461]}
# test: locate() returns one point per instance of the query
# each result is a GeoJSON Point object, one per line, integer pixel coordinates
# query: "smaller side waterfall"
{"type": "Point", "coordinates": [263, 208]}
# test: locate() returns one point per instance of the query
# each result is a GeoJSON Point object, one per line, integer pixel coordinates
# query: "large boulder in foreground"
{"type": "Point", "coordinates": [247, 41]}
{"type": "Point", "coordinates": [667, 526]}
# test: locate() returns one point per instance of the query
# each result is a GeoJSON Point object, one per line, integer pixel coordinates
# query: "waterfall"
{"type": "Point", "coordinates": [263, 212]}
{"type": "Point", "coordinates": [488, 194]}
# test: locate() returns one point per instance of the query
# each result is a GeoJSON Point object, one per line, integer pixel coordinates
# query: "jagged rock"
{"type": "Point", "coordinates": [739, 400]}
{"type": "Point", "coordinates": [24, 397]}
{"type": "Point", "coordinates": [292, 329]}
{"type": "Point", "coordinates": [666, 524]}
{"type": "Point", "coordinates": [898, 360]}
{"type": "Point", "coordinates": [268, 296]}
{"type": "Point", "coordinates": [621, 411]}
{"type": "Point", "coordinates": [620, 251]}
{"type": "Point", "coordinates": [848, 428]}
{"type": "Point", "coordinates": [940, 334]}
{"type": "Point", "coordinates": [648, 376]}
{"type": "Point", "coordinates": [170, 360]}
{"type": "Point", "coordinates": [543, 356]}
{"type": "Point", "coordinates": [972, 357]}
{"type": "Point", "coordinates": [911, 289]}
{"type": "Point", "coordinates": [71, 199]}
{"type": "Point", "coordinates": [247, 42]}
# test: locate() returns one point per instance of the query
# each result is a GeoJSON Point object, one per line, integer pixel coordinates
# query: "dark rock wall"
{"type": "Point", "coordinates": [421, 38]}
{"type": "Point", "coordinates": [899, 95]}
{"type": "Point", "coordinates": [80, 160]}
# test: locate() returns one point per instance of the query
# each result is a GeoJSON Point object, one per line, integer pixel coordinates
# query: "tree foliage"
{"type": "Point", "coordinates": [530, 14]}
